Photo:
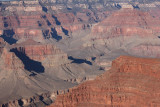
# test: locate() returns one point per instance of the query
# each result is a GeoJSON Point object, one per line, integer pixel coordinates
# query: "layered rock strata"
{"type": "Point", "coordinates": [41, 51]}
{"type": "Point", "coordinates": [126, 31]}
{"type": "Point", "coordinates": [128, 83]}
{"type": "Point", "coordinates": [128, 22]}
{"type": "Point", "coordinates": [41, 43]}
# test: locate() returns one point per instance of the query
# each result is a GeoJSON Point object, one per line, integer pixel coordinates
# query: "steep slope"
{"type": "Point", "coordinates": [130, 82]}
{"type": "Point", "coordinates": [39, 20]}
{"type": "Point", "coordinates": [130, 31]}
{"type": "Point", "coordinates": [31, 69]}
{"type": "Point", "coordinates": [19, 80]}
{"type": "Point", "coordinates": [128, 22]}
{"type": "Point", "coordinates": [31, 63]}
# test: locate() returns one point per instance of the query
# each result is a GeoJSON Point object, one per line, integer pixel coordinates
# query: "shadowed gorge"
{"type": "Point", "coordinates": [79, 61]}
{"type": "Point", "coordinates": [55, 35]}
{"type": "Point", "coordinates": [29, 64]}
{"type": "Point", "coordinates": [65, 31]}
{"type": "Point", "coordinates": [8, 36]}
{"type": "Point", "coordinates": [9, 40]}
{"type": "Point", "coordinates": [57, 21]}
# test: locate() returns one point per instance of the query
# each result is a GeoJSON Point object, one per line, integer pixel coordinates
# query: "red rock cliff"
{"type": "Point", "coordinates": [128, 22]}
{"type": "Point", "coordinates": [130, 82]}
{"type": "Point", "coordinates": [49, 53]}
{"type": "Point", "coordinates": [11, 61]}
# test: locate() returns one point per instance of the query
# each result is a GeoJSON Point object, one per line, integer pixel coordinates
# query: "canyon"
{"type": "Point", "coordinates": [49, 46]}
{"type": "Point", "coordinates": [131, 81]}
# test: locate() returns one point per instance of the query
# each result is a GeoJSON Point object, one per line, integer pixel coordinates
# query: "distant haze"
{"type": "Point", "coordinates": [9, 0]}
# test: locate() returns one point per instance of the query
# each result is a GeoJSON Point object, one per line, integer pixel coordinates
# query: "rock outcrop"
{"type": "Point", "coordinates": [128, 22]}
{"type": "Point", "coordinates": [41, 51]}
{"type": "Point", "coordinates": [130, 82]}
{"type": "Point", "coordinates": [11, 61]}
{"type": "Point", "coordinates": [145, 50]}
{"type": "Point", "coordinates": [127, 32]}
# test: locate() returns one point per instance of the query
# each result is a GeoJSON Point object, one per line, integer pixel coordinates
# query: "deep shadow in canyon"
{"type": "Point", "coordinates": [29, 64]}
{"type": "Point", "coordinates": [8, 36]}
{"type": "Point", "coordinates": [79, 61]}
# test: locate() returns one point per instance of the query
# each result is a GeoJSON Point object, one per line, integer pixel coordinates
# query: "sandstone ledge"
{"type": "Point", "coordinates": [130, 82]}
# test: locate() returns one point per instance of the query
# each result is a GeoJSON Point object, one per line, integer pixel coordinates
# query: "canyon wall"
{"type": "Point", "coordinates": [50, 46]}
{"type": "Point", "coordinates": [128, 83]}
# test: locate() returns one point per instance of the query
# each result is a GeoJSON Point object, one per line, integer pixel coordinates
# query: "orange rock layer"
{"type": "Point", "coordinates": [130, 82]}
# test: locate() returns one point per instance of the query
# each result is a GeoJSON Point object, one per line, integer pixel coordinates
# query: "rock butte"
{"type": "Point", "coordinates": [130, 82]}
{"type": "Point", "coordinates": [39, 52]}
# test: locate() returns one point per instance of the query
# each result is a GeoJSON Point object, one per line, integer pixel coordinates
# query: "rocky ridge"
{"type": "Point", "coordinates": [130, 31]}
{"type": "Point", "coordinates": [128, 83]}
